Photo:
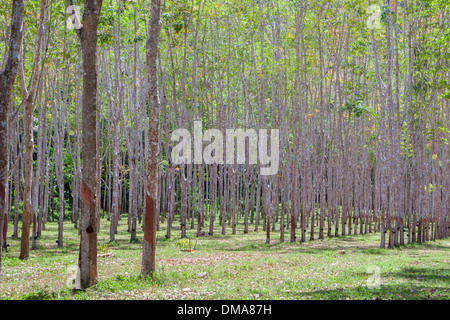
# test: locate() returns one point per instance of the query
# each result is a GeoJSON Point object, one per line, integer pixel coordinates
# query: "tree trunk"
{"type": "Point", "coordinates": [90, 146]}
{"type": "Point", "coordinates": [7, 78]}
{"type": "Point", "coordinates": [28, 101]}
{"type": "Point", "coordinates": [153, 149]}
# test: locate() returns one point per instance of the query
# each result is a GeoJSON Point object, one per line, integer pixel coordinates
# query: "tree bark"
{"type": "Point", "coordinates": [153, 148]}
{"type": "Point", "coordinates": [90, 188]}
{"type": "Point", "coordinates": [7, 78]}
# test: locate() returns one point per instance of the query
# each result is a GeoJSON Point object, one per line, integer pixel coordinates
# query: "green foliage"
{"type": "Point", "coordinates": [356, 106]}
{"type": "Point", "coordinates": [40, 294]}
{"type": "Point", "coordinates": [103, 248]}
{"type": "Point", "coordinates": [184, 244]}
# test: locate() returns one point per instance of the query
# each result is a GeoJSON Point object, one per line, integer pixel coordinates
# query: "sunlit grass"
{"type": "Point", "coordinates": [240, 266]}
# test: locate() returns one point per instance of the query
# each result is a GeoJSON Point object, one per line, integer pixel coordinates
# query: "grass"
{"type": "Point", "coordinates": [240, 266]}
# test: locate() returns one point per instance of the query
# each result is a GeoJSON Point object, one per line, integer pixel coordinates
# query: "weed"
{"type": "Point", "coordinates": [40, 294]}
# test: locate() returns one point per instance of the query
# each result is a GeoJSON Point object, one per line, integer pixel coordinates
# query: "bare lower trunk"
{"type": "Point", "coordinates": [7, 78]}
{"type": "Point", "coordinates": [153, 148]}
{"type": "Point", "coordinates": [28, 100]}
{"type": "Point", "coordinates": [89, 215]}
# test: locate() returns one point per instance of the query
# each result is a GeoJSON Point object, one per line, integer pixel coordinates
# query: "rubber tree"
{"type": "Point", "coordinates": [7, 78]}
{"type": "Point", "coordinates": [90, 183]}
{"type": "Point", "coordinates": [152, 148]}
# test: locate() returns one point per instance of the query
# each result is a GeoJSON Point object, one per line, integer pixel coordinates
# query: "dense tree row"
{"type": "Point", "coordinates": [361, 103]}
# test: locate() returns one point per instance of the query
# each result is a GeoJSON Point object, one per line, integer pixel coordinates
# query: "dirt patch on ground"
{"type": "Point", "coordinates": [212, 259]}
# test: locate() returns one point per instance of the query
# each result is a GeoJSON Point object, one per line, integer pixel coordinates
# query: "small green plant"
{"type": "Point", "coordinates": [186, 245]}
{"type": "Point", "coordinates": [183, 244]}
{"type": "Point", "coordinates": [103, 248]}
{"type": "Point", "coordinates": [39, 295]}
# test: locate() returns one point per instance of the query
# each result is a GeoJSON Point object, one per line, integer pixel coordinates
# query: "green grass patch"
{"type": "Point", "coordinates": [240, 266]}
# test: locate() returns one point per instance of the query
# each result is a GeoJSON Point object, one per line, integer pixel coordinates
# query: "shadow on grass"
{"type": "Point", "coordinates": [425, 284]}
{"type": "Point", "coordinates": [334, 244]}
{"type": "Point", "coordinates": [384, 292]}
{"type": "Point", "coordinates": [424, 274]}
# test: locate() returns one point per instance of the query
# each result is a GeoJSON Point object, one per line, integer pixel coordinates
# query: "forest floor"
{"type": "Point", "coordinates": [240, 266]}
